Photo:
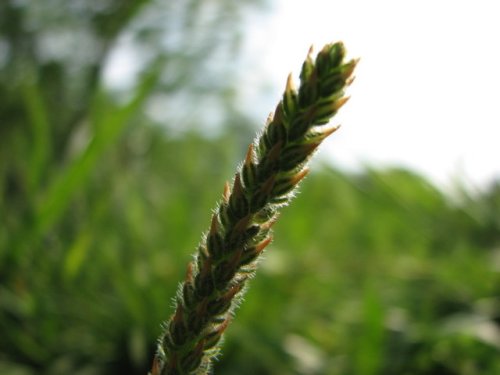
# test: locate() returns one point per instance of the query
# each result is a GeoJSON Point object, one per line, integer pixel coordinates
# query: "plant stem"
{"type": "Point", "coordinates": [240, 228]}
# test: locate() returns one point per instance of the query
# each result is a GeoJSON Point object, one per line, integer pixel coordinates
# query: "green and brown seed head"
{"type": "Point", "coordinates": [240, 228]}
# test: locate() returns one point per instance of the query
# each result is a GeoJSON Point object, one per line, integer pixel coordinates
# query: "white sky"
{"type": "Point", "coordinates": [427, 89]}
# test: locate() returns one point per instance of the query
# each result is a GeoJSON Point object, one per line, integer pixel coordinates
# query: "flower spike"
{"type": "Point", "coordinates": [240, 229]}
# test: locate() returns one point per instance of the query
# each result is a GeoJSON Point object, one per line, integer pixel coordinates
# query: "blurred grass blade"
{"type": "Point", "coordinates": [40, 126]}
{"type": "Point", "coordinates": [60, 191]}
{"type": "Point", "coordinates": [370, 342]}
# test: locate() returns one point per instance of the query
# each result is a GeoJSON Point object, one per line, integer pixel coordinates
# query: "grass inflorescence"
{"type": "Point", "coordinates": [240, 227]}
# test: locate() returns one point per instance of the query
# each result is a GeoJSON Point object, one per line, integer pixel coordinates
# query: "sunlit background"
{"type": "Point", "coordinates": [428, 83]}
{"type": "Point", "coordinates": [121, 120]}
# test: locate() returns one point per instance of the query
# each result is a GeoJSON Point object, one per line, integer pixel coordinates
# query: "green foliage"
{"type": "Point", "coordinates": [362, 276]}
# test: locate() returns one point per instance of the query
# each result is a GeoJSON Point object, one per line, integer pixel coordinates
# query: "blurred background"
{"type": "Point", "coordinates": [120, 122]}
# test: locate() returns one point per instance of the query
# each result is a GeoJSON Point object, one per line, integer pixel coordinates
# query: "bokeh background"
{"type": "Point", "coordinates": [119, 123]}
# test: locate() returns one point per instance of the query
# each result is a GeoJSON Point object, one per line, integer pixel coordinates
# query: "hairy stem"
{"type": "Point", "coordinates": [240, 228]}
